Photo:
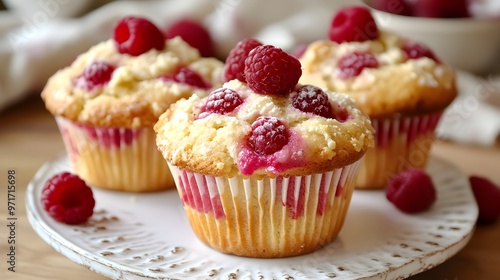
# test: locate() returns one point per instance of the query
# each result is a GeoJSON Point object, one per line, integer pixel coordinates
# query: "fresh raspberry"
{"type": "Point", "coordinates": [221, 101]}
{"type": "Point", "coordinates": [312, 99]}
{"type": "Point", "coordinates": [415, 50]}
{"type": "Point", "coordinates": [268, 135]}
{"type": "Point", "coordinates": [411, 191]}
{"type": "Point", "coordinates": [351, 65]}
{"type": "Point", "coordinates": [137, 35]}
{"type": "Point", "coordinates": [487, 195]}
{"type": "Point", "coordinates": [95, 75]}
{"type": "Point", "coordinates": [441, 8]}
{"type": "Point", "coordinates": [353, 24]}
{"type": "Point", "coordinates": [270, 70]}
{"type": "Point", "coordinates": [68, 199]}
{"type": "Point", "coordinates": [188, 77]}
{"type": "Point", "coordinates": [193, 33]}
{"type": "Point", "coordinates": [398, 7]}
{"type": "Point", "coordinates": [235, 62]}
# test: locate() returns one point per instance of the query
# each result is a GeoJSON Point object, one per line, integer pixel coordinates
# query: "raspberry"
{"type": "Point", "coordinates": [415, 50]}
{"type": "Point", "coordinates": [352, 64]}
{"type": "Point", "coordinates": [95, 75]}
{"type": "Point", "coordinates": [221, 101]}
{"type": "Point", "coordinates": [268, 135]}
{"type": "Point", "coordinates": [68, 199]}
{"type": "Point", "coordinates": [312, 99]}
{"type": "Point", "coordinates": [441, 8]}
{"type": "Point", "coordinates": [235, 62]}
{"type": "Point", "coordinates": [398, 7]}
{"type": "Point", "coordinates": [411, 191]}
{"type": "Point", "coordinates": [353, 24]}
{"type": "Point", "coordinates": [188, 77]}
{"type": "Point", "coordinates": [487, 196]}
{"type": "Point", "coordinates": [270, 70]}
{"type": "Point", "coordinates": [137, 35]}
{"type": "Point", "coordinates": [193, 33]}
{"type": "Point", "coordinates": [299, 50]}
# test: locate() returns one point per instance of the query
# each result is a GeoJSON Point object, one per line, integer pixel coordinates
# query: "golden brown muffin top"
{"type": "Point", "coordinates": [398, 85]}
{"type": "Point", "coordinates": [218, 144]}
{"type": "Point", "coordinates": [136, 94]}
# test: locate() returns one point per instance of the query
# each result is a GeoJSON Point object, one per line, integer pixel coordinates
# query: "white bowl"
{"type": "Point", "coordinates": [469, 44]}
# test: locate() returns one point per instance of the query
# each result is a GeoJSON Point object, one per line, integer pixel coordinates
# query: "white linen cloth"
{"type": "Point", "coordinates": [34, 46]}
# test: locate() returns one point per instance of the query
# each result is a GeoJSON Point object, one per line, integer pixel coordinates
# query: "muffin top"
{"type": "Point", "coordinates": [385, 73]}
{"type": "Point", "coordinates": [254, 128]}
{"type": "Point", "coordinates": [120, 83]}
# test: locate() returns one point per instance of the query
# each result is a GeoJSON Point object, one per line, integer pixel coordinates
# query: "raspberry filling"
{"type": "Point", "coordinates": [270, 70]}
{"type": "Point", "coordinates": [417, 50]}
{"type": "Point", "coordinates": [221, 101]}
{"type": "Point", "coordinates": [110, 137]}
{"type": "Point", "coordinates": [95, 75]}
{"type": "Point", "coordinates": [353, 24]}
{"type": "Point", "coordinates": [234, 67]}
{"type": "Point", "coordinates": [272, 146]}
{"type": "Point", "coordinates": [137, 35]}
{"type": "Point", "coordinates": [188, 77]}
{"type": "Point", "coordinates": [351, 65]}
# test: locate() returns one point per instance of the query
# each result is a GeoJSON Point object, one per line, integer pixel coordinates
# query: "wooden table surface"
{"type": "Point", "coordinates": [29, 137]}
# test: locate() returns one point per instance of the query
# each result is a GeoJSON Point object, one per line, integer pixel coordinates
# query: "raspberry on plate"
{"type": "Point", "coordinates": [137, 35]}
{"type": "Point", "coordinates": [235, 62]}
{"type": "Point", "coordinates": [68, 199]}
{"type": "Point", "coordinates": [487, 196]}
{"type": "Point", "coordinates": [193, 33]}
{"type": "Point", "coordinates": [270, 70]}
{"type": "Point", "coordinates": [411, 191]}
{"type": "Point", "coordinates": [353, 24]}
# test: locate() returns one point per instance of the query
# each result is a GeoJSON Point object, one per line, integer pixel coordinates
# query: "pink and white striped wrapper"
{"type": "Point", "coordinates": [119, 159]}
{"type": "Point", "coordinates": [266, 217]}
{"type": "Point", "coordinates": [400, 144]}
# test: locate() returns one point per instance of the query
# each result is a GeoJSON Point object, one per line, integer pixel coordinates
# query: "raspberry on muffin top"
{"type": "Point", "coordinates": [267, 124]}
{"type": "Point", "coordinates": [128, 81]}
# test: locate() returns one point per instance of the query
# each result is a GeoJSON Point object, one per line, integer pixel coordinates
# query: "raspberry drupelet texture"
{"type": "Point", "coordinates": [351, 65]}
{"type": "Point", "coordinates": [353, 24]}
{"type": "Point", "coordinates": [193, 33]}
{"type": "Point", "coordinates": [188, 77]}
{"type": "Point", "coordinates": [137, 35]}
{"type": "Point", "coordinates": [415, 50]}
{"type": "Point", "coordinates": [487, 196]}
{"type": "Point", "coordinates": [270, 70]}
{"type": "Point", "coordinates": [95, 75]}
{"type": "Point", "coordinates": [268, 135]}
{"type": "Point", "coordinates": [235, 62]}
{"type": "Point", "coordinates": [411, 191]}
{"type": "Point", "coordinates": [68, 199]}
{"type": "Point", "coordinates": [221, 101]}
{"type": "Point", "coordinates": [312, 99]}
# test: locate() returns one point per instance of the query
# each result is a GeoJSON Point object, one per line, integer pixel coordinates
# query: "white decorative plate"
{"type": "Point", "coordinates": [147, 236]}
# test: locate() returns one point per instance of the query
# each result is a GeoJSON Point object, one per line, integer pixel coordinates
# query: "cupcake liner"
{"type": "Point", "coordinates": [400, 144]}
{"type": "Point", "coordinates": [115, 158]}
{"type": "Point", "coordinates": [266, 217]}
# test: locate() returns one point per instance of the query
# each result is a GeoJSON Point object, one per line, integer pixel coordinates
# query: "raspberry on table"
{"type": "Point", "coordinates": [270, 70]}
{"type": "Point", "coordinates": [312, 99]}
{"type": "Point", "coordinates": [188, 77]}
{"type": "Point", "coordinates": [351, 65]}
{"type": "Point", "coordinates": [414, 50]}
{"type": "Point", "coordinates": [95, 75]}
{"type": "Point", "coordinates": [398, 7]}
{"type": "Point", "coordinates": [268, 135]}
{"type": "Point", "coordinates": [487, 196]}
{"type": "Point", "coordinates": [221, 101]}
{"type": "Point", "coordinates": [234, 67]}
{"type": "Point", "coordinates": [411, 191]}
{"type": "Point", "coordinates": [193, 33]}
{"type": "Point", "coordinates": [67, 198]}
{"type": "Point", "coordinates": [353, 24]}
{"type": "Point", "coordinates": [137, 35]}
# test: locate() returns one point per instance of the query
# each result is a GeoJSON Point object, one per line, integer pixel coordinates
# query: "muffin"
{"type": "Point", "coordinates": [265, 167]}
{"type": "Point", "coordinates": [400, 84]}
{"type": "Point", "coordinates": [107, 101]}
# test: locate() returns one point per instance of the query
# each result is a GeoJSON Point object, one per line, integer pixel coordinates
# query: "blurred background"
{"type": "Point", "coordinates": [38, 37]}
